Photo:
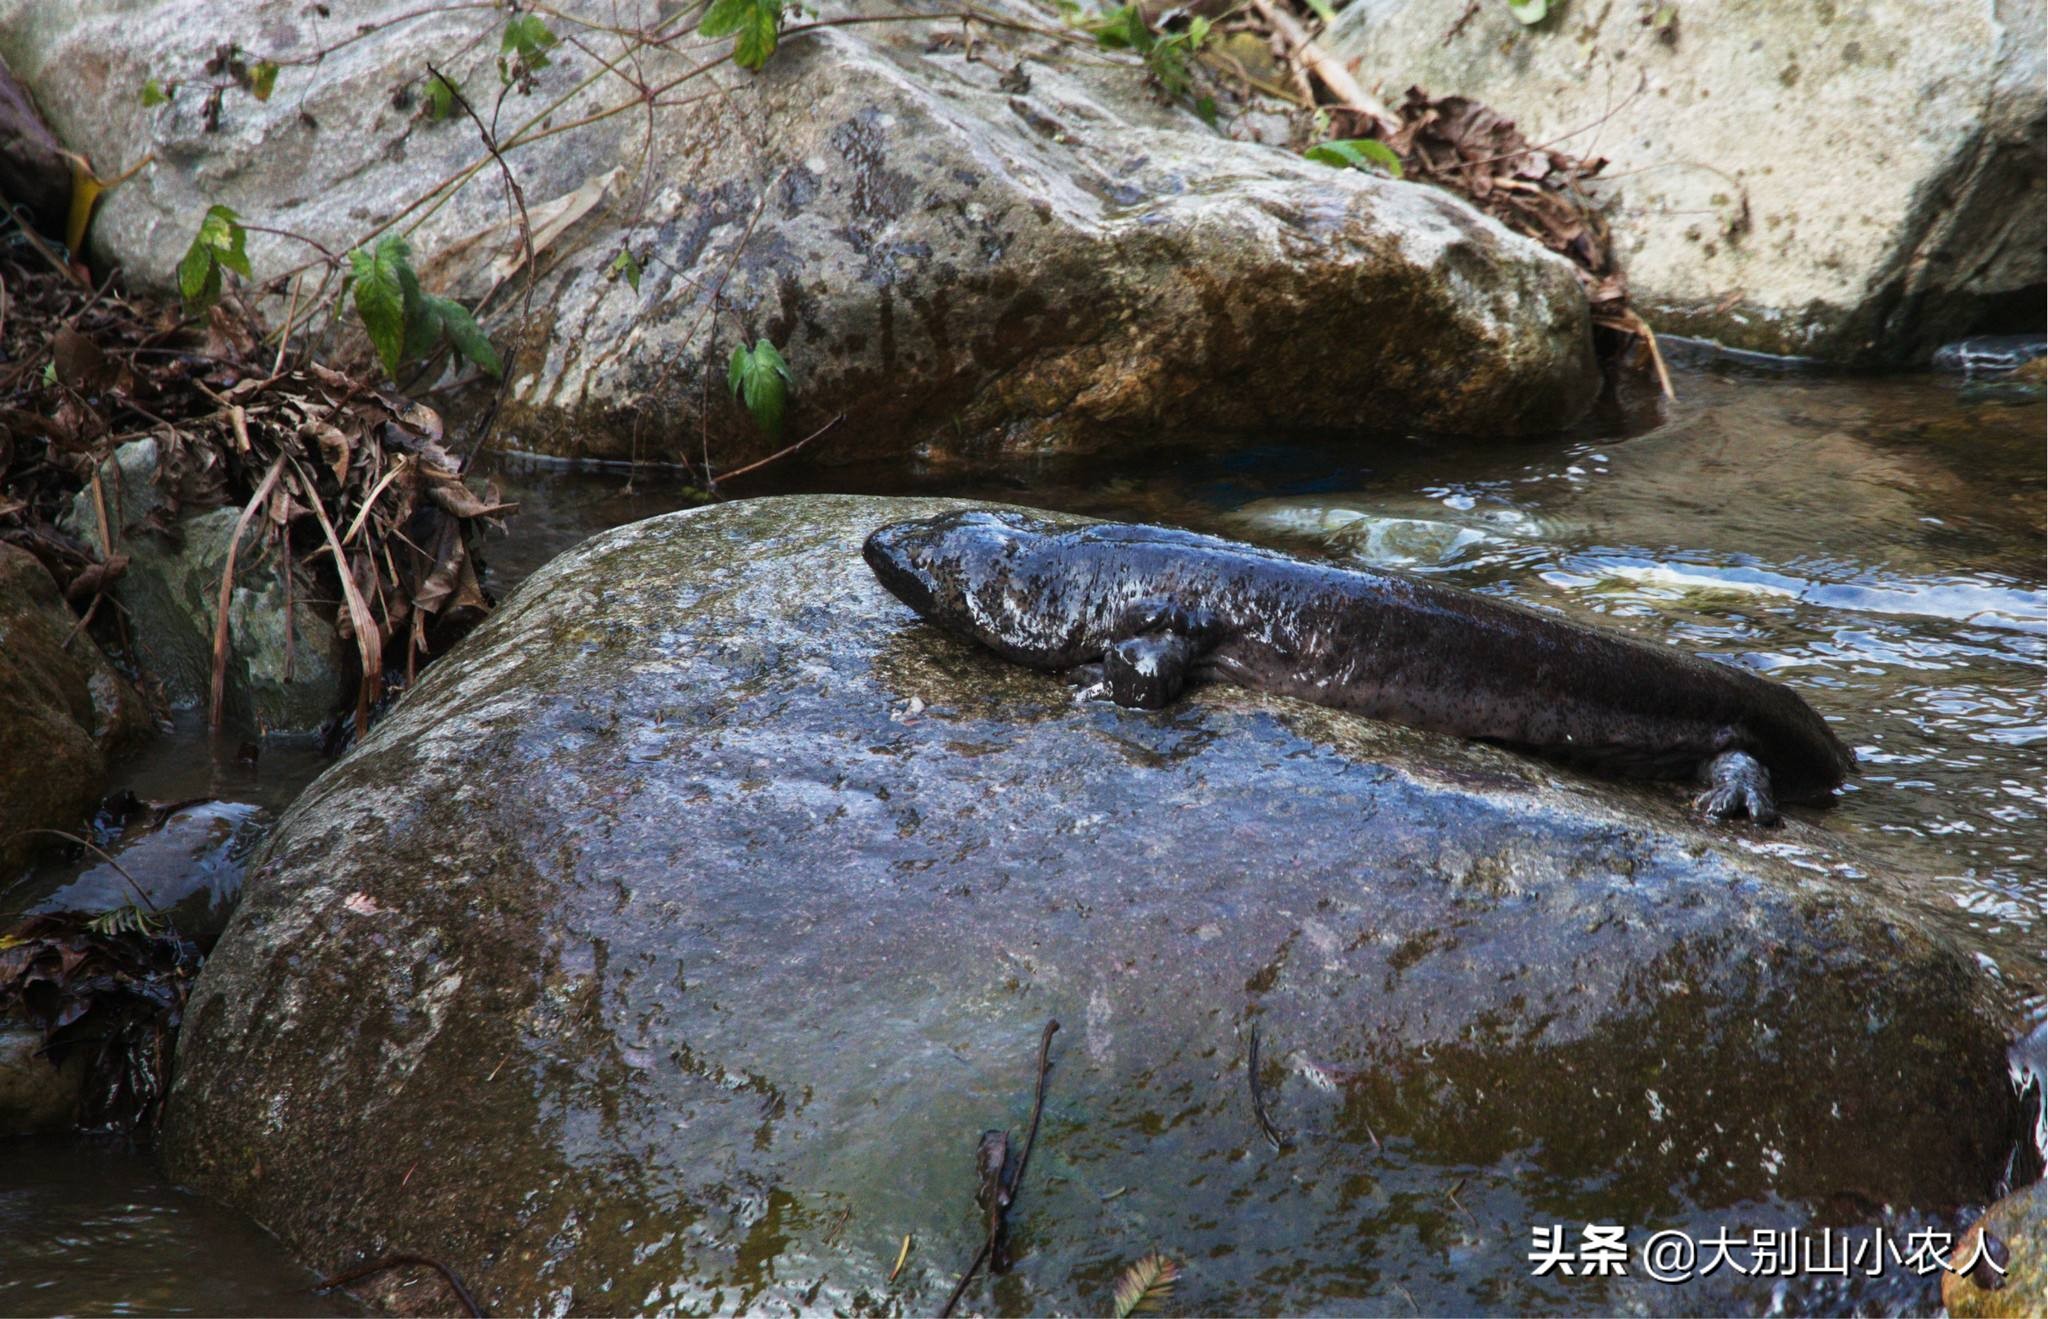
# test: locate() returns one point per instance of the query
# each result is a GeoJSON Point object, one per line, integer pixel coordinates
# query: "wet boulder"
{"type": "Point", "coordinates": [669, 946]}
{"type": "Point", "coordinates": [63, 710]}
{"type": "Point", "coordinates": [1857, 183]}
{"type": "Point", "coordinates": [953, 239]}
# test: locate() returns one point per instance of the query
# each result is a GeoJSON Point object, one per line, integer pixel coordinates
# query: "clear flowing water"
{"type": "Point", "coordinates": [93, 1230]}
{"type": "Point", "coordinates": [1876, 543]}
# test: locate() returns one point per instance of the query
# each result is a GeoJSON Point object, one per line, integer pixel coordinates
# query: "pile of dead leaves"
{"type": "Point", "coordinates": [1458, 143]}
{"type": "Point", "coordinates": [111, 987]}
{"type": "Point", "coordinates": [350, 484]}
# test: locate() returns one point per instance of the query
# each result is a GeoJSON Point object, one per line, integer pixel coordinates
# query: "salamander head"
{"type": "Point", "coordinates": [964, 571]}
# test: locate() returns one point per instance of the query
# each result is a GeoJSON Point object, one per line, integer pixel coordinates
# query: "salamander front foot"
{"type": "Point", "coordinates": [1737, 784]}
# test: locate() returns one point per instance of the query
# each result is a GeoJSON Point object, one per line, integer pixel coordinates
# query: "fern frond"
{"type": "Point", "coordinates": [1145, 1285]}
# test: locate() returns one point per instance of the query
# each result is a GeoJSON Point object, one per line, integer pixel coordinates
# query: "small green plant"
{"type": "Point", "coordinates": [221, 241]}
{"type": "Point", "coordinates": [1356, 153]}
{"type": "Point", "coordinates": [624, 265]}
{"type": "Point", "coordinates": [405, 322]}
{"type": "Point", "coordinates": [523, 49]}
{"type": "Point", "coordinates": [1168, 56]}
{"type": "Point", "coordinates": [440, 98]}
{"type": "Point", "coordinates": [1529, 12]}
{"type": "Point", "coordinates": [754, 26]}
{"type": "Point", "coordinates": [155, 93]}
{"type": "Point", "coordinates": [130, 920]}
{"type": "Point", "coordinates": [759, 377]}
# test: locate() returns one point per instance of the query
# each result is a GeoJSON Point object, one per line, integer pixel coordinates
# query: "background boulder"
{"type": "Point", "coordinates": [1854, 182]}
{"type": "Point", "coordinates": [1019, 248]}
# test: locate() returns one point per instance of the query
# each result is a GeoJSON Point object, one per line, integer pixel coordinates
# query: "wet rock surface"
{"type": "Point", "coordinates": [186, 869]}
{"type": "Point", "coordinates": [1857, 183]}
{"type": "Point", "coordinates": [63, 710]}
{"type": "Point", "coordinates": [670, 945]}
{"type": "Point", "coordinates": [1021, 248]}
{"type": "Point", "coordinates": [286, 670]}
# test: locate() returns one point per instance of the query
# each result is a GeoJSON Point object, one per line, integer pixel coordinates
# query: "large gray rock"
{"type": "Point", "coordinates": [1856, 182]}
{"type": "Point", "coordinates": [171, 596]}
{"type": "Point", "coordinates": [943, 254]}
{"type": "Point", "coordinates": [669, 945]}
{"type": "Point", "coordinates": [63, 711]}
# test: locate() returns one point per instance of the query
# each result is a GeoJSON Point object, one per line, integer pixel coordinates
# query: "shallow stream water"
{"type": "Point", "coordinates": [1875, 542]}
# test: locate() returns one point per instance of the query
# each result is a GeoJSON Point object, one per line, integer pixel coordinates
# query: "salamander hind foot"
{"type": "Point", "coordinates": [1737, 784]}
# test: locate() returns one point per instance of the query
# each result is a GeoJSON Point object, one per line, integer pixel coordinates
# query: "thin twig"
{"type": "Point", "coordinates": [291, 313]}
{"type": "Point", "coordinates": [1451, 1194]}
{"type": "Point", "coordinates": [1037, 1106]}
{"type": "Point", "coordinates": [1633, 322]}
{"type": "Point", "coordinates": [369, 641]}
{"type": "Point", "coordinates": [1009, 1188]}
{"type": "Point", "coordinates": [227, 586]}
{"type": "Point", "coordinates": [27, 230]}
{"type": "Point", "coordinates": [348, 1276]}
{"type": "Point", "coordinates": [1251, 1067]}
{"type": "Point", "coordinates": [779, 453]}
{"type": "Point", "coordinates": [104, 856]}
{"type": "Point", "coordinates": [1324, 66]}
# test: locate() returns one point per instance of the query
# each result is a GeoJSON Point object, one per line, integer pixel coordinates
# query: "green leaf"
{"type": "Point", "coordinates": [262, 79]}
{"type": "Point", "coordinates": [464, 334]}
{"type": "Point", "coordinates": [221, 241]}
{"type": "Point", "coordinates": [1323, 10]}
{"type": "Point", "coordinates": [440, 98]}
{"type": "Point", "coordinates": [624, 264]}
{"type": "Point", "coordinates": [380, 295]}
{"type": "Point", "coordinates": [1205, 110]}
{"type": "Point", "coordinates": [527, 36]}
{"type": "Point", "coordinates": [1121, 29]}
{"type": "Point", "coordinates": [1529, 12]}
{"type": "Point", "coordinates": [1356, 153]}
{"type": "Point", "coordinates": [154, 93]}
{"type": "Point", "coordinates": [754, 25]}
{"type": "Point", "coordinates": [759, 377]}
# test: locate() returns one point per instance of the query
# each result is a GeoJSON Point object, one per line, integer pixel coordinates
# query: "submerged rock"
{"type": "Point", "coordinates": [1856, 183]}
{"type": "Point", "coordinates": [2003, 1275]}
{"type": "Point", "coordinates": [671, 943]}
{"type": "Point", "coordinates": [171, 595]}
{"type": "Point", "coordinates": [63, 711]}
{"type": "Point", "coordinates": [1021, 247]}
{"type": "Point", "coordinates": [1990, 354]}
{"type": "Point", "coordinates": [186, 869]}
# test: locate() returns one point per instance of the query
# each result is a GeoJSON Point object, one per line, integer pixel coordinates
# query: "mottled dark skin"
{"type": "Point", "coordinates": [1156, 608]}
